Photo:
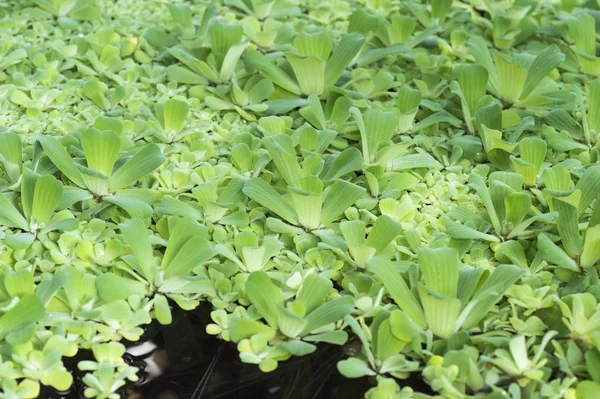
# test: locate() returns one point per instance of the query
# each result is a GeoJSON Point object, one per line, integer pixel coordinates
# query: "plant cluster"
{"type": "Point", "coordinates": [415, 179]}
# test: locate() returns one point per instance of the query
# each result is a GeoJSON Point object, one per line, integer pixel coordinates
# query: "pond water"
{"type": "Point", "coordinates": [194, 365]}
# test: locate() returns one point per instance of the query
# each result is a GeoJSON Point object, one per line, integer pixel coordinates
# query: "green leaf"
{"type": "Point", "coordinates": [266, 68]}
{"type": "Point", "coordinates": [298, 348]}
{"type": "Point", "coordinates": [517, 206]}
{"type": "Point", "coordinates": [533, 152]}
{"type": "Point", "coordinates": [546, 61]}
{"type": "Point", "coordinates": [261, 192]}
{"type": "Point", "coordinates": [172, 115]}
{"type": "Point", "coordinates": [10, 216]}
{"type": "Point", "coordinates": [101, 149]}
{"type": "Point", "coordinates": [113, 288]}
{"type": "Point", "coordinates": [567, 225]}
{"type": "Point", "coordinates": [376, 129]}
{"type": "Point", "coordinates": [181, 230]}
{"type": "Point", "coordinates": [47, 288]}
{"type": "Point", "coordinates": [309, 71]}
{"type": "Point", "coordinates": [346, 162]}
{"type": "Point", "coordinates": [593, 111]}
{"type": "Point", "coordinates": [19, 283]}
{"type": "Point", "coordinates": [29, 309]}
{"type": "Point", "coordinates": [143, 162]}
{"type": "Point", "coordinates": [589, 184]}
{"type": "Point", "coordinates": [511, 79]}
{"type": "Point", "coordinates": [328, 313]}
{"type": "Point", "coordinates": [240, 328]}
{"type": "Point", "coordinates": [407, 103]}
{"type": "Point", "coordinates": [340, 195]}
{"type": "Point", "coordinates": [11, 152]}
{"type": "Point", "coordinates": [191, 254]}
{"type": "Point", "coordinates": [343, 54]}
{"type": "Point", "coordinates": [283, 153]}
{"type": "Point", "coordinates": [386, 344]}
{"type": "Point", "coordinates": [185, 76]}
{"type": "Point", "coordinates": [173, 206]}
{"type": "Point", "coordinates": [61, 159]}
{"type": "Point", "coordinates": [591, 247]}
{"type": "Point", "coordinates": [73, 195]}
{"type": "Point", "coordinates": [135, 234]}
{"type": "Point", "coordinates": [489, 293]}
{"type": "Point", "coordinates": [46, 197]}
{"type": "Point", "coordinates": [582, 29]}
{"type": "Point", "coordinates": [354, 368]}
{"type": "Point", "coordinates": [552, 254]}
{"type": "Point", "coordinates": [162, 310]}
{"type": "Point", "coordinates": [587, 390]}
{"type": "Point", "coordinates": [330, 337]}
{"type": "Point", "coordinates": [383, 232]}
{"type": "Point", "coordinates": [463, 232]}
{"type": "Point", "coordinates": [441, 312]}
{"type": "Point", "coordinates": [468, 280]}
{"type": "Point", "coordinates": [289, 323]}
{"type": "Point", "coordinates": [136, 202]}
{"type": "Point", "coordinates": [115, 311]}
{"type": "Point", "coordinates": [265, 297]}
{"type": "Point", "coordinates": [307, 200]}
{"type": "Point", "coordinates": [472, 80]}
{"type": "Point", "coordinates": [397, 288]}
{"type": "Point", "coordinates": [314, 291]}
{"type": "Point", "coordinates": [440, 268]}
{"type": "Point", "coordinates": [478, 184]}
{"type": "Point", "coordinates": [230, 61]}
{"type": "Point", "coordinates": [413, 161]}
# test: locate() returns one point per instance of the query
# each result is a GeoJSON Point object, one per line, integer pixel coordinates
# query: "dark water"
{"type": "Point", "coordinates": [200, 366]}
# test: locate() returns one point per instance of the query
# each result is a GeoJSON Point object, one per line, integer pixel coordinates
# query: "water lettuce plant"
{"type": "Point", "coordinates": [414, 183]}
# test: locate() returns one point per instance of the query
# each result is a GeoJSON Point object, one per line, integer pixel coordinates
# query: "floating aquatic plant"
{"type": "Point", "coordinates": [415, 182]}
